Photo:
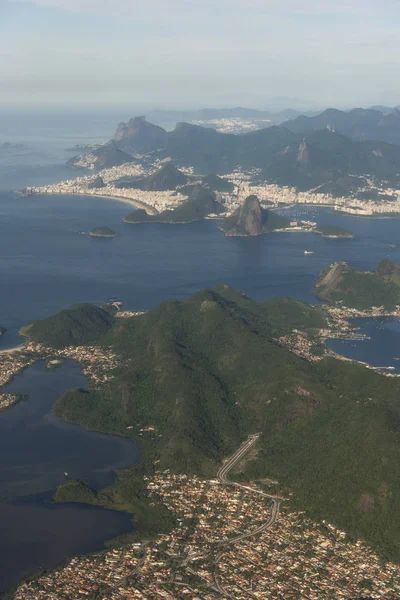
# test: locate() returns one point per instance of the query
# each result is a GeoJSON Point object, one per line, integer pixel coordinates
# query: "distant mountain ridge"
{"type": "Point", "coordinates": [319, 158]}
{"type": "Point", "coordinates": [138, 135]}
{"type": "Point", "coordinates": [358, 124]}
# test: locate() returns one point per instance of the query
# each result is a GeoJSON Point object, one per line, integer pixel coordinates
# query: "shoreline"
{"type": "Point", "coordinates": [394, 215]}
{"type": "Point", "coordinates": [135, 203]}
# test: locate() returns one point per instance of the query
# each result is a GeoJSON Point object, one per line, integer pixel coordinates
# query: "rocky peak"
{"type": "Point", "coordinates": [247, 219]}
{"type": "Point", "coordinates": [303, 154]}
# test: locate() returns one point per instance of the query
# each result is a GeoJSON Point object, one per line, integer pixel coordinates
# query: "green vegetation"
{"type": "Point", "coordinates": [102, 232]}
{"type": "Point", "coordinates": [128, 494]}
{"type": "Point", "coordinates": [201, 203]}
{"type": "Point", "coordinates": [75, 326]}
{"type": "Point", "coordinates": [75, 491]}
{"type": "Point", "coordinates": [206, 372]}
{"type": "Point", "coordinates": [361, 289]}
{"type": "Point", "coordinates": [334, 232]}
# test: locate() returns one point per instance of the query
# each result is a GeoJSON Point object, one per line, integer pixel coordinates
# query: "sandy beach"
{"type": "Point", "coordinates": [135, 203]}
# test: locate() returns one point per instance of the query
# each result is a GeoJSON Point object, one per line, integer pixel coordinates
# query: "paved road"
{"type": "Point", "coordinates": [275, 500]}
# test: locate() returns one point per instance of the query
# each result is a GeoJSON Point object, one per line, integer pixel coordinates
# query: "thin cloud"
{"type": "Point", "coordinates": [172, 7]}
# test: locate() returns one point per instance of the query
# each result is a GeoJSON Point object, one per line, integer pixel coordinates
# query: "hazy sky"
{"type": "Point", "coordinates": [194, 53]}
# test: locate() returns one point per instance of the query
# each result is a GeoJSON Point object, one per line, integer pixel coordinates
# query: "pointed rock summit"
{"type": "Point", "coordinates": [138, 135]}
{"type": "Point", "coordinates": [246, 220]}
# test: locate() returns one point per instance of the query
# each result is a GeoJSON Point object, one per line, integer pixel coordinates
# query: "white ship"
{"type": "Point", "coordinates": [308, 252]}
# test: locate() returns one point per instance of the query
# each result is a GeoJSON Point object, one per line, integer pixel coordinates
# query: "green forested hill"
{"type": "Point", "coordinates": [361, 289]}
{"type": "Point", "coordinates": [206, 372]}
{"type": "Point", "coordinates": [80, 324]}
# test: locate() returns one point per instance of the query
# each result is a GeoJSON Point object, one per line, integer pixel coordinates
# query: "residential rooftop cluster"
{"type": "Point", "coordinates": [272, 193]}
{"type": "Point", "coordinates": [300, 343]}
{"type": "Point", "coordinates": [204, 557]}
{"type": "Point", "coordinates": [98, 364]}
{"type": "Point", "coordinates": [7, 400]}
{"type": "Point", "coordinates": [153, 202]}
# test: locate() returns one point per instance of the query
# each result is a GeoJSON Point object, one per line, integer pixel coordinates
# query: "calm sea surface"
{"type": "Point", "coordinates": [46, 265]}
{"type": "Point", "coordinates": [36, 450]}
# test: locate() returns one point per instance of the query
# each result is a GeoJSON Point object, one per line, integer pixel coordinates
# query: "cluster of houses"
{"type": "Point", "coordinates": [294, 558]}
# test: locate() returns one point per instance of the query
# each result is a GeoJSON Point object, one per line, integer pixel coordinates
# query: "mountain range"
{"type": "Point", "coordinates": [358, 124]}
{"type": "Point", "coordinates": [306, 153]}
{"type": "Point", "coordinates": [285, 157]}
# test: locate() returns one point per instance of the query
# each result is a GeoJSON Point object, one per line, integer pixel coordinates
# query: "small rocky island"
{"type": "Point", "coordinates": [334, 233]}
{"type": "Point", "coordinates": [104, 232]}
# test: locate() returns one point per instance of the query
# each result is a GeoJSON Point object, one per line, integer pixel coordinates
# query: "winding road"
{"type": "Point", "coordinates": [275, 504]}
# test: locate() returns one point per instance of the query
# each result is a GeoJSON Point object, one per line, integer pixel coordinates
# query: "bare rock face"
{"type": "Point", "coordinates": [138, 135]}
{"type": "Point", "coordinates": [246, 220]}
{"type": "Point", "coordinates": [250, 216]}
{"type": "Point", "coordinates": [303, 155]}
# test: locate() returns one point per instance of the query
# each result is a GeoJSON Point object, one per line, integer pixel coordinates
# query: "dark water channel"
{"type": "Point", "coordinates": [36, 450]}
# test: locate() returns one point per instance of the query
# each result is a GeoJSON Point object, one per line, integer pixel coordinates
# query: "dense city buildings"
{"type": "Point", "coordinates": [245, 184]}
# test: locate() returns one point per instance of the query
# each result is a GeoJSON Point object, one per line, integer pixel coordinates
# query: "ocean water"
{"type": "Point", "coordinates": [382, 349]}
{"type": "Point", "coordinates": [46, 265]}
{"type": "Point", "coordinates": [37, 449]}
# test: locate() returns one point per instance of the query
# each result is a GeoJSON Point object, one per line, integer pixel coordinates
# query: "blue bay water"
{"type": "Point", "coordinates": [38, 452]}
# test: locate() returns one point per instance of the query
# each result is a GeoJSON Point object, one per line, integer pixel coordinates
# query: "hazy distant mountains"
{"type": "Point", "coordinates": [358, 124]}
{"type": "Point", "coordinates": [212, 117]}
{"type": "Point", "coordinates": [333, 149]}
{"type": "Point", "coordinates": [286, 157]}
{"type": "Point", "coordinates": [138, 135]}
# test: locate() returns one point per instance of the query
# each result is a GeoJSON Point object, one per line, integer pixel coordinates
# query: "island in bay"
{"type": "Point", "coordinates": [231, 400]}
{"type": "Point", "coordinates": [104, 232]}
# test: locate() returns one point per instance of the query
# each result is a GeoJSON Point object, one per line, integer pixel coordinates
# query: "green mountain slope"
{"type": "Point", "coordinates": [206, 372]}
{"type": "Point", "coordinates": [78, 325]}
{"type": "Point", "coordinates": [361, 289]}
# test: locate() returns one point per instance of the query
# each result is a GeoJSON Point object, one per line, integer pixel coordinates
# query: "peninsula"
{"type": "Point", "coordinates": [361, 289]}
{"type": "Point", "coordinates": [206, 372]}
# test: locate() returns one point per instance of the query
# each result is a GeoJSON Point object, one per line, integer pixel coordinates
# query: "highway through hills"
{"type": "Point", "coordinates": [185, 557]}
{"type": "Point", "coordinates": [222, 475]}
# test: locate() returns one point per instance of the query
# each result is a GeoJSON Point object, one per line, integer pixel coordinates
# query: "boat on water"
{"type": "Point", "coordinates": [308, 252]}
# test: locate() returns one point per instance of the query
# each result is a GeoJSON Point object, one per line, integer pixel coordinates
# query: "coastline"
{"type": "Point", "coordinates": [135, 203]}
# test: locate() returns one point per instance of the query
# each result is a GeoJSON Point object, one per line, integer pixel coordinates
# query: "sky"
{"type": "Point", "coordinates": [199, 53]}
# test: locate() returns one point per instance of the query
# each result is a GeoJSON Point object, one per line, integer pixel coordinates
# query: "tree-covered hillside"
{"type": "Point", "coordinates": [361, 289]}
{"type": "Point", "coordinates": [78, 325]}
{"type": "Point", "coordinates": [206, 372]}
